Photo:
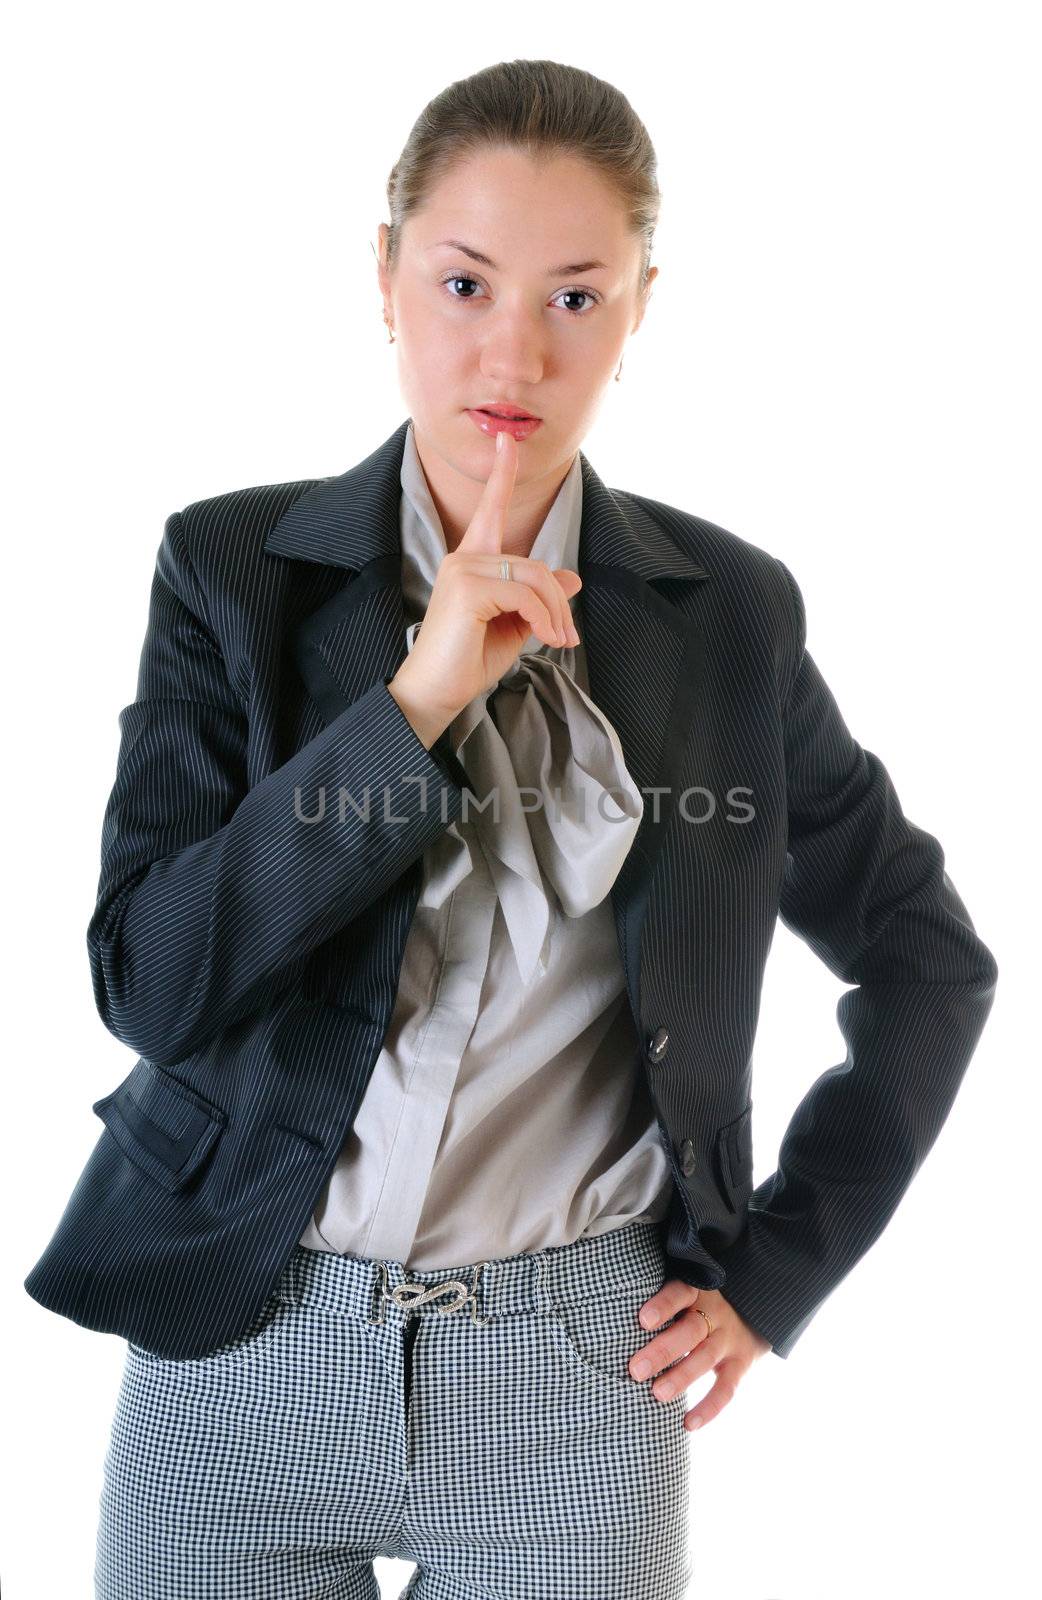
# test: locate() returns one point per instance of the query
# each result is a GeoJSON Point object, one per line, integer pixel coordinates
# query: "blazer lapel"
{"type": "Point", "coordinates": [643, 652]}
{"type": "Point", "coordinates": [358, 635]}
{"type": "Point", "coordinates": [644, 661]}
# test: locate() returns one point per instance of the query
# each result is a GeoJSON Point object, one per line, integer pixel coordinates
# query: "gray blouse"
{"type": "Point", "coordinates": [507, 1110]}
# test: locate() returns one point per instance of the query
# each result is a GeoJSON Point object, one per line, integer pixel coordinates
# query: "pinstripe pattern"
{"type": "Point", "coordinates": [250, 959]}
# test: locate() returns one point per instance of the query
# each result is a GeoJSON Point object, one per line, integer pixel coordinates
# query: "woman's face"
{"type": "Point", "coordinates": [469, 334]}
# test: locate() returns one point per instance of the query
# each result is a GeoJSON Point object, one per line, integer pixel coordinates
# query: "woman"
{"type": "Point", "coordinates": [438, 1151]}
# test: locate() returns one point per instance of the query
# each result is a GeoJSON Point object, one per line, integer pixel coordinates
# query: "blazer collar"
{"type": "Point", "coordinates": [352, 519]}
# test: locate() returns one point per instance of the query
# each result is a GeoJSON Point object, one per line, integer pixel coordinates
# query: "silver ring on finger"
{"type": "Point", "coordinates": [505, 570]}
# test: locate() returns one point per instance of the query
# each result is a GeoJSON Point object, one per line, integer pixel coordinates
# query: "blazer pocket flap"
{"type": "Point", "coordinates": [165, 1128]}
{"type": "Point", "coordinates": [734, 1153]}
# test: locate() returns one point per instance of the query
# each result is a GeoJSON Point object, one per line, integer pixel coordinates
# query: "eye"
{"type": "Point", "coordinates": [454, 278]}
{"type": "Point", "coordinates": [587, 292]}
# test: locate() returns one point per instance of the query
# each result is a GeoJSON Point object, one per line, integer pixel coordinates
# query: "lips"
{"type": "Point", "coordinates": [519, 424]}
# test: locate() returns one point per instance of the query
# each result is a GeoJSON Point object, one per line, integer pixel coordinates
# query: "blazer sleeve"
{"type": "Point", "coordinates": [868, 892]}
{"type": "Point", "coordinates": [210, 888]}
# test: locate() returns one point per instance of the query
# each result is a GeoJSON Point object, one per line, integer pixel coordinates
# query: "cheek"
{"type": "Point", "coordinates": [436, 366]}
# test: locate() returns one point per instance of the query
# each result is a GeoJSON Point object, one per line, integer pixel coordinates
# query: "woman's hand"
{"type": "Point", "coordinates": [729, 1350]}
{"type": "Point", "coordinates": [476, 622]}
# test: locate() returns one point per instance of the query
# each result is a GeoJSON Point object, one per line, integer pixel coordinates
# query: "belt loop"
{"type": "Point", "coordinates": [478, 1321]}
{"type": "Point", "coordinates": [541, 1290]}
{"type": "Point", "coordinates": [290, 1288]}
{"type": "Point", "coordinates": [381, 1292]}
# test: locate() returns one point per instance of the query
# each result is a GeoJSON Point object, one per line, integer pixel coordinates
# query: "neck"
{"type": "Point", "coordinates": [456, 499]}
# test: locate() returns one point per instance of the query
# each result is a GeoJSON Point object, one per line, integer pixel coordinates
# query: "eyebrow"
{"type": "Point", "coordinates": [552, 272]}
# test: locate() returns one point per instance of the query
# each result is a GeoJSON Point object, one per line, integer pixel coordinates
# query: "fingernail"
{"type": "Point", "coordinates": [696, 1422]}
{"type": "Point", "coordinates": [649, 1318]}
{"type": "Point", "coordinates": [500, 436]}
{"type": "Point", "coordinates": [641, 1369]}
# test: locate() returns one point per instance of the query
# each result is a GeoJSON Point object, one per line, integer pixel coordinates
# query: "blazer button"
{"type": "Point", "coordinates": [687, 1158]}
{"type": "Point", "coordinates": [658, 1044]}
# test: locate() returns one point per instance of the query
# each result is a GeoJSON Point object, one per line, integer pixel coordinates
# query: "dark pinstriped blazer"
{"type": "Point", "coordinates": [250, 958]}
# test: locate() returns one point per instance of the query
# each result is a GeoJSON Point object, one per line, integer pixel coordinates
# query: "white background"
{"type": "Point", "coordinates": [840, 364]}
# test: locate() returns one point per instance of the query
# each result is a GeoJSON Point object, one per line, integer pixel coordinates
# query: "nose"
{"type": "Point", "coordinates": [513, 353]}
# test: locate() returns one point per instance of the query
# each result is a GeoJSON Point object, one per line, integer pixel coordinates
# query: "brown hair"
{"type": "Point", "coordinates": [545, 109]}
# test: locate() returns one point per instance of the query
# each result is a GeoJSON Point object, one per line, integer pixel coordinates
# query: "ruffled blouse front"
{"type": "Point", "coordinates": [561, 808]}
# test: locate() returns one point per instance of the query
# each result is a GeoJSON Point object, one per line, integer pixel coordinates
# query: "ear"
{"type": "Point", "coordinates": [381, 267]}
{"type": "Point", "coordinates": [645, 297]}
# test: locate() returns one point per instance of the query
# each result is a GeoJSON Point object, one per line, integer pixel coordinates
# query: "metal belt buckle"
{"type": "Point", "coordinates": [409, 1296]}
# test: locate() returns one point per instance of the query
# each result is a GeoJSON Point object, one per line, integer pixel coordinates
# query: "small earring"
{"type": "Point", "coordinates": [618, 375]}
{"type": "Point", "coordinates": [390, 330]}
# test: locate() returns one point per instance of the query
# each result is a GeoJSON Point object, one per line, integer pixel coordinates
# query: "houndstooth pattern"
{"type": "Point", "coordinates": [503, 1446]}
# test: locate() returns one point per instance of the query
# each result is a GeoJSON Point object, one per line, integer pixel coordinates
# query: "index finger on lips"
{"type": "Point", "coordinates": [484, 535]}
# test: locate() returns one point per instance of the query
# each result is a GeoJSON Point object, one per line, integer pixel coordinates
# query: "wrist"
{"type": "Point", "coordinates": [427, 721]}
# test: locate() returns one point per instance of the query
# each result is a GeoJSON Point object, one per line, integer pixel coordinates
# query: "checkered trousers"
{"type": "Point", "coordinates": [479, 1421]}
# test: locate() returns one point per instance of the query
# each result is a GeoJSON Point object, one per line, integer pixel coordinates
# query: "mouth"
{"type": "Point", "coordinates": [505, 419]}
